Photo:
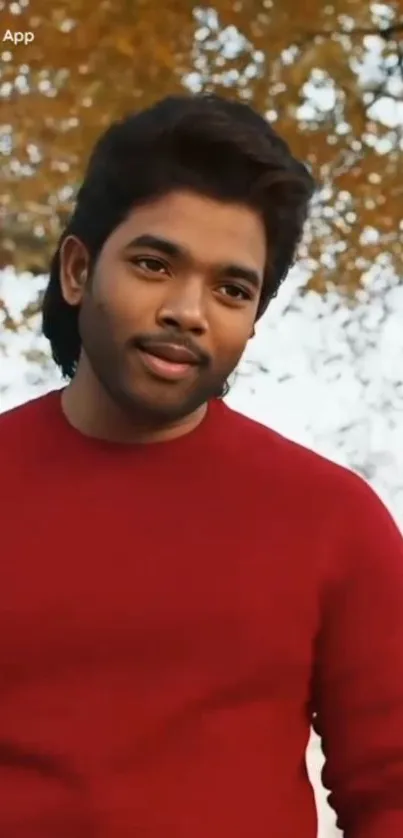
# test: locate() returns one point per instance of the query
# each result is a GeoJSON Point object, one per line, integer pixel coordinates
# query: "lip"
{"type": "Point", "coordinates": [171, 352]}
{"type": "Point", "coordinates": [166, 369]}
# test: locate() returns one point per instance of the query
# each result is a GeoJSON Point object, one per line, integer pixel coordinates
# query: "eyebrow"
{"type": "Point", "coordinates": [174, 250]}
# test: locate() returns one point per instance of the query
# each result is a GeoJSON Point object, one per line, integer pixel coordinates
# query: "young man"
{"type": "Point", "coordinates": [184, 591]}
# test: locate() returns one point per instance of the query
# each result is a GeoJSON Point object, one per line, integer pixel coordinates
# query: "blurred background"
{"type": "Point", "coordinates": [326, 366]}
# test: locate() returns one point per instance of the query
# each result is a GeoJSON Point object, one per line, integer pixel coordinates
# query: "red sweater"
{"type": "Point", "coordinates": [171, 617]}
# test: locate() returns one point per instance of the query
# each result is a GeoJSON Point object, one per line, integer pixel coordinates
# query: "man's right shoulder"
{"type": "Point", "coordinates": [25, 422]}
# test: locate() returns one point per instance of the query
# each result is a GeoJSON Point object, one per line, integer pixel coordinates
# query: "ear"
{"type": "Point", "coordinates": [74, 269]}
{"type": "Point", "coordinates": [252, 334]}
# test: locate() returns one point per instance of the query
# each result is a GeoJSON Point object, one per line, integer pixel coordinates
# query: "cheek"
{"type": "Point", "coordinates": [231, 338]}
{"type": "Point", "coordinates": [117, 316]}
{"type": "Point", "coordinates": [129, 307]}
{"type": "Point", "coordinates": [226, 357]}
{"type": "Point", "coordinates": [100, 327]}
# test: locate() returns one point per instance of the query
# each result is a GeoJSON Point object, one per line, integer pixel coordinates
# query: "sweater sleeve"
{"type": "Point", "coordinates": [358, 679]}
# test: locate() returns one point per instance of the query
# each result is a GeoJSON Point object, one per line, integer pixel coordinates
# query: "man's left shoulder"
{"type": "Point", "coordinates": [268, 452]}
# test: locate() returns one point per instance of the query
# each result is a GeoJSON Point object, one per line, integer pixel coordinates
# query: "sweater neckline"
{"type": "Point", "coordinates": [187, 441]}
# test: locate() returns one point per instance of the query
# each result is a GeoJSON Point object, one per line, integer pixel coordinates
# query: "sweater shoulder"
{"type": "Point", "coordinates": [22, 427]}
{"type": "Point", "coordinates": [267, 454]}
{"type": "Point", "coordinates": [306, 485]}
{"type": "Point", "coordinates": [25, 413]}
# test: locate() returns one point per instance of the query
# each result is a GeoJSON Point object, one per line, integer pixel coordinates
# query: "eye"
{"type": "Point", "coordinates": [149, 264]}
{"type": "Point", "coordinates": [236, 292]}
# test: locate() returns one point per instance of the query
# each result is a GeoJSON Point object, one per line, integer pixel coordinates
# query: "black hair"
{"type": "Point", "coordinates": [219, 148]}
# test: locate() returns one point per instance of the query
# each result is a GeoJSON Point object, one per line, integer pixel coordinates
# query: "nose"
{"type": "Point", "coordinates": [184, 307]}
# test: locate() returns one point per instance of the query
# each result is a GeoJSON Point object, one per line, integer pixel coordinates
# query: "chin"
{"type": "Point", "coordinates": [163, 407]}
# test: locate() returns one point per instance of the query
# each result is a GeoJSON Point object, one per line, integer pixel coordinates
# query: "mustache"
{"type": "Point", "coordinates": [163, 338]}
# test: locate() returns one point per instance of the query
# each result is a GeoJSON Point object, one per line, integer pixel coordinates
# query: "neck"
{"type": "Point", "coordinates": [91, 411]}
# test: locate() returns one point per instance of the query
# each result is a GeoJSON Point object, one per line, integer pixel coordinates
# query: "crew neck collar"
{"type": "Point", "coordinates": [186, 441]}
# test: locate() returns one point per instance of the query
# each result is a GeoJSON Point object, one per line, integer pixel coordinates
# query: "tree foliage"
{"type": "Point", "coordinates": [329, 75]}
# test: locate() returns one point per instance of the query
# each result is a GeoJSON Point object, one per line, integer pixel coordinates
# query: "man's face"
{"type": "Point", "coordinates": [170, 306]}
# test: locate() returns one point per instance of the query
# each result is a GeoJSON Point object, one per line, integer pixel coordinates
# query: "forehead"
{"type": "Point", "coordinates": [208, 229]}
